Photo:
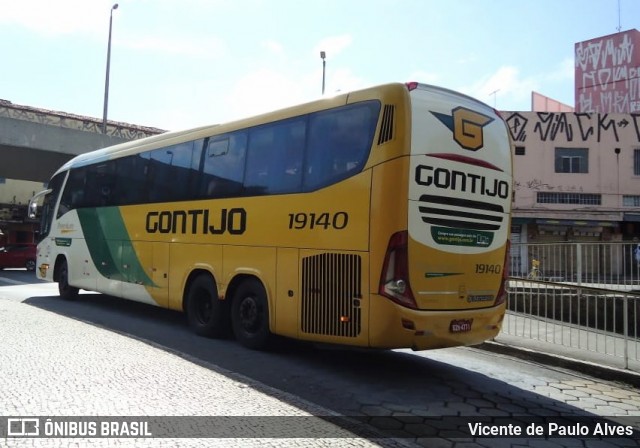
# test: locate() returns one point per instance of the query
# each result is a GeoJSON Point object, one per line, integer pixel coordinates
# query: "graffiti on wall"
{"type": "Point", "coordinates": [607, 73]}
{"type": "Point", "coordinates": [573, 127]}
{"type": "Point", "coordinates": [539, 185]}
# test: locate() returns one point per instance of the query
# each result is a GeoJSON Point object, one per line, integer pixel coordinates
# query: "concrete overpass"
{"type": "Point", "coordinates": [34, 142]}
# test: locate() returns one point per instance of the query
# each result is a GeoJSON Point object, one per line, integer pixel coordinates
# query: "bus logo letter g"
{"type": "Point", "coordinates": [466, 126]}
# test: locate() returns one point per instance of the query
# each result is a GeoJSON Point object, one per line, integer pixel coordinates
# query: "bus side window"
{"type": "Point", "coordinates": [286, 163]}
{"type": "Point", "coordinates": [169, 170]}
{"type": "Point", "coordinates": [339, 143]}
{"type": "Point", "coordinates": [183, 158]}
{"type": "Point", "coordinates": [130, 180]}
{"type": "Point", "coordinates": [274, 159]}
{"type": "Point", "coordinates": [318, 157]}
{"type": "Point", "coordinates": [223, 166]}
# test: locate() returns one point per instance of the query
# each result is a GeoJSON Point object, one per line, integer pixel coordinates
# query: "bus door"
{"type": "Point", "coordinates": [287, 292]}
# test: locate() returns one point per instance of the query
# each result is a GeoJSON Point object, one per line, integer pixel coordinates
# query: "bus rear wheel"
{"type": "Point", "coordinates": [66, 291]}
{"type": "Point", "coordinates": [206, 313]}
{"type": "Point", "coordinates": [250, 315]}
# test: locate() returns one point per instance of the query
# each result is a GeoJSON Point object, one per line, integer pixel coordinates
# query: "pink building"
{"type": "Point", "coordinates": [607, 78]}
{"type": "Point", "coordinates": [577, 175]}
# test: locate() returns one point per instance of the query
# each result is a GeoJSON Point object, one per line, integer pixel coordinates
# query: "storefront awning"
{"type": "Point", "coordinates": [575, 223]}
{"type": "Point", "coordinates": [568, 217]}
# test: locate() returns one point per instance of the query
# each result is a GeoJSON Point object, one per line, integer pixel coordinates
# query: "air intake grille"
{"type": "Point", "coordinates": [386, 128]}
{"type": "Point", "coordinates": [331, 294]}
{"type": "Point", "coordinates": [460, 213]}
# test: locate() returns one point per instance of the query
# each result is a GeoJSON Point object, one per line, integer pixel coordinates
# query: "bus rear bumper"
{"type": "Point", "coordinates": [394, 326]}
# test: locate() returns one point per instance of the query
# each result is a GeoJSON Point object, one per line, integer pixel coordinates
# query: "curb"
{"type": "Point", "coordinates": [599, 371]}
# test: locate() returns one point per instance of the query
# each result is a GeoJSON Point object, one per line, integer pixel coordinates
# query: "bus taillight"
{"type": "Point", "coordinates": [502, 292]}
{"type": "Point", "coordinates": [394, 281]}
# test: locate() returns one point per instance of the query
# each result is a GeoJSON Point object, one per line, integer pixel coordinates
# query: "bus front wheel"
{"type": "Point", "coordinates": [205, 312]}
{"type": "Point", "coordinates": [66, 291]}
{"type": "Point", "coordinates": [250, 315]}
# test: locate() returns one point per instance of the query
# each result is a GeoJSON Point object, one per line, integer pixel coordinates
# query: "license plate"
{"type": "Point", "coordinates": [460, 325]}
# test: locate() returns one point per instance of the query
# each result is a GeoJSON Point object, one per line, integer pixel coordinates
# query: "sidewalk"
{"type": "Point", "coordinates": [52, 366]}
{"type": "Point", "coordinates": [595, 353]}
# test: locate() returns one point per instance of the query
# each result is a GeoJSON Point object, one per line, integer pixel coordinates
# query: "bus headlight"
{"type": "Point", "coordinates": [44, 267]}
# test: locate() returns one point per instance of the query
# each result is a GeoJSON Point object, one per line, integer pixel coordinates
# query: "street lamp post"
{"type": "Point", "coordinates": [324, 65]}
{"type": "Point", "coordinates": [495, 94]}
{"type": "Point", "coordinates": [106, 81]}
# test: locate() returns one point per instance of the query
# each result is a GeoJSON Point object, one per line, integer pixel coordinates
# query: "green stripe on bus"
{"type": "Point", "coordinates": [108, 242]}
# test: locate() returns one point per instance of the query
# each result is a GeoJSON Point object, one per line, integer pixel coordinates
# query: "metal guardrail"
{"type": "Point", "coordinates": [583, 296]}
{"type": "Point", "coordinates": [594, 264]}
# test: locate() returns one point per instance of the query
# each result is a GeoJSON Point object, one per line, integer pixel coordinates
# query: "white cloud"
{"type": "Point", "coordinates": [194, 47]}
{"type": "Point", "coordinates": [263, 90]}
{"type": "Point", "coordinates": [343, 80]}
{"type": "Point", "coordinates": [59, 16]}
{"type": "Point", "coordinates": [565, 71]}
{"type": "Point", "coordinates": [505, 88]}
{"type": "Point", "coordinates": [424, 77]}
{"type": "Point", "coordinates": [273, 47]}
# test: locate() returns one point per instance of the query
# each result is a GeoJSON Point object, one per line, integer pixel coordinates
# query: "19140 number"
{"type": "Point", "coordinates": [337, 221]}
{"type": "Point", "coordinates": [482, 268]}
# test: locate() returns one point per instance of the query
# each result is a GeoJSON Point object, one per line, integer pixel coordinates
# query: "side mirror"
{"type": "Point", "coordinates": [33, 203]}
{"type": "Point", "coordinates": [33, 209]}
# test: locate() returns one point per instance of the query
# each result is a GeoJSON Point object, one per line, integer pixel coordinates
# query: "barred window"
{"type": "Point", "coordinates": [630, 201]}
{"type": "Point", "coordinates": [569, 198]}
{"type": "Point", "coordinates": [572, 160]}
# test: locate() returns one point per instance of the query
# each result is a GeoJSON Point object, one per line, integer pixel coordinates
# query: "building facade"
{"type": "Point", "coordinates": [577, 176]}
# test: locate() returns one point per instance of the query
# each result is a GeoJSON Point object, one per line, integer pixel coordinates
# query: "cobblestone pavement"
{"type": "Point", "coordinates": [55, 366]}
{"type": "Point", "coordinates": [427, 398]}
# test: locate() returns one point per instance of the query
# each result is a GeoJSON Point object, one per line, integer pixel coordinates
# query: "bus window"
{"type": "Point", "coordinates": [274, 158]}
{"type": "Point", "coordinates": [339, 143]}
{"type": "Point", "coordinates": [171, 172]}
{"type": "Point", "coordinates": [131, 175]}
{"type": "Point", "coordinates": [100, 185]}
{"type": "Point", "coordinates": [223, 165]}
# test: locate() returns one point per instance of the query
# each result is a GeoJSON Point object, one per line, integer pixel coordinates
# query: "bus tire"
{"type": "Point", "coordinates": [30, 265]}
{"type": "Point", "coordinates": [250, 315]}
{"type": "Point", "coordinates": [66, 291]}
{"type": "Point", "coordinates": [206, 313]}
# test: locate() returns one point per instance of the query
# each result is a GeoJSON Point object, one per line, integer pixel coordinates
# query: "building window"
{"type": "Point", "coordinates": [519, 150]}
{"type": "Point", "coordinates": [572, 160]}
{"type": "Point", "coordinates": [630, 201]}
{"type": "Point", "coordinates": [636, 162]}
{"type": "Point", "coordinates": [569, 198]}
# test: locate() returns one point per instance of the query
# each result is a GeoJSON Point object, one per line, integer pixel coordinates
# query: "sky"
{"type": "Point", "coordinates": [177, 64]}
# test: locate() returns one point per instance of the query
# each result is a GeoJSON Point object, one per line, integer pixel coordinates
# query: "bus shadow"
{"type": "Point", "coordinates": [382, 389]}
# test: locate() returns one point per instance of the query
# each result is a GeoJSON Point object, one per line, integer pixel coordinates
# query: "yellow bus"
{"type": "Point", "coordinates": [375, 218]}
